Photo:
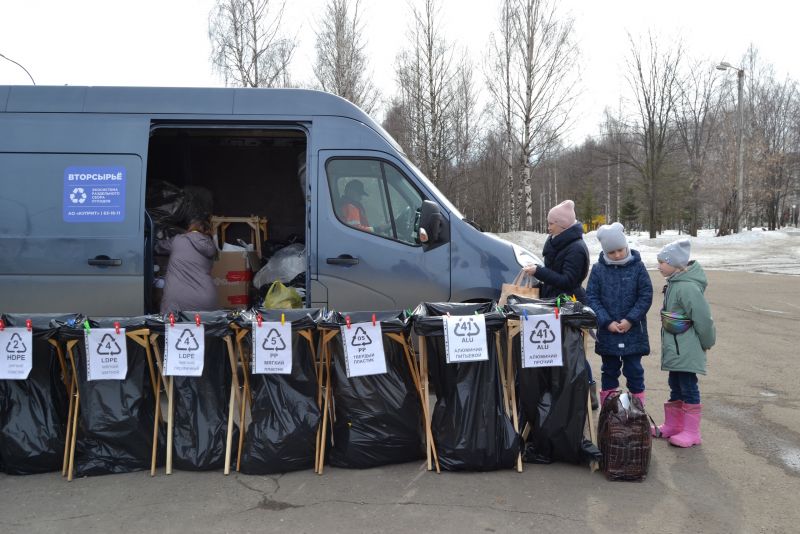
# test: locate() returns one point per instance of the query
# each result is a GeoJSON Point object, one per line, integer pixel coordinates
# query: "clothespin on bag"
{"type": "Point", "coordinates": [525, 314]}
{"type": "Point", "coordinates": [197, 319]}
{"type": "Point", "coordinates": [258, 319]}
{"type": "Point", "coordinates": [2, 325]}
{"type": "Point", "coordinates": [347, 321]}
{"type": "Point", "coordinates": [86, 326]}
{"type": "Point", "coordinates": [172, 319]}
{"type": "Point", "coordinates": [29, 325]}
{"type": "Point", "coordinates": [283, 319]}
{"type": "Point", "coordinates": [373, 319]}
{"type": "Point", "coordinates": [116, 327]}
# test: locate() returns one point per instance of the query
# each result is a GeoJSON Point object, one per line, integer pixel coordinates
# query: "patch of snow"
{"type": "Point", "coordinates": [775, 252]}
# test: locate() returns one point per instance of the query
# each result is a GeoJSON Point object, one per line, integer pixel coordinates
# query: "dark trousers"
{"type": "Point", "coordinates": [683, 386]}
{"type": "Point", "coordinates": [630, 366]}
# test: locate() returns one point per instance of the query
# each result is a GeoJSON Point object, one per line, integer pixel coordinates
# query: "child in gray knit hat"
{"type": "Point", "coordinates": [620, 293]}
{"type": "Point", "coordinates": [675, 254]}
{"type": "Point", "coordinates": [687, 333]}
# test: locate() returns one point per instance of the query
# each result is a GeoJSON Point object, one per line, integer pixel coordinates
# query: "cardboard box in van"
{"type": "Point", "coordinates": [233, 277]}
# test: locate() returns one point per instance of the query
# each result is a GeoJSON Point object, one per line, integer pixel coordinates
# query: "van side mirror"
{"type": "Point", "coordinates": [430, 223]}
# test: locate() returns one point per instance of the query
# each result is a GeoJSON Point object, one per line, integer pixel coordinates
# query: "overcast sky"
{"type": "Point", "coordinates": [165, 42]}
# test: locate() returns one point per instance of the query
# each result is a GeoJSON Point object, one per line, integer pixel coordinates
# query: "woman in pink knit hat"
{"type": "Point", "coordinates": [566, 261]}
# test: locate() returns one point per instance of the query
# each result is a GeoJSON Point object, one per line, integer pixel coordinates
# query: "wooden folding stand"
{"type": "Point", "coordinates": [421, 383]}
{"type": "Point", "coordinates": [324, 394]}
{"type": "Point", "coordinates": [235, 395]}
{"type": "Point", "coordinates": [66, 378]}
{"type": "Point", "coordinates": [258, 229]}
{"type": "Point", "coordinates": [246, 398]}
{"type": "Point", "coordinates": [139, 336]}
{"type": "Point", "coordinates": [514, 329]}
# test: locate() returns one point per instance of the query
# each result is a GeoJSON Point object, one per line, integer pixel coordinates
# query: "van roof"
{"type": "Point", "coordinates": [181, 100]}
{"type": "Point", "coordinates": [200, 100]}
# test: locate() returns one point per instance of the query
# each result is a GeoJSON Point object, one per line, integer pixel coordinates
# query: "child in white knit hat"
{"type": "Point", "coordinates": [620, 293]}
{"type": "Point", "coordinates": [687, 333]}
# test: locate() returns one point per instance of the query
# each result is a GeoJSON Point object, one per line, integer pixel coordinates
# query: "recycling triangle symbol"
{"type": "Point", "coordinates": [468, 328]}
{"type": "Point", "coordinates": [186, 341]}
{"type": "Point", "coordinates": [108, 346]}
{"type": "Point", "coordinates": [542, 333]}
{"type": "Point", "coordinates": [273, 341]}
{"type": "Point", "coordinates": [15, 344]}
{"type": "Point", "coordinates": [361, 338]}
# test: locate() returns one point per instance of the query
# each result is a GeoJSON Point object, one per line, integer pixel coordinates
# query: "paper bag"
{"type": "Point", "coordinates": [521, 286]}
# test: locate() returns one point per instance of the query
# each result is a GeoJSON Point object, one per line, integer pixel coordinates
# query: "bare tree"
{"type": "Point", "coordinates": [341, 65]}
{"type": "Point", "coordinates": [247, 46]}
{"type": "Point", "coordinates": [464, 119]}
{"type": "Point", "coordinates": [696, 112]}
{"type": "Point", "coordinates": [544, 86]}
{"type": "Point", "coordinates": [498, 81]}
{"type": "Point", "coordinates": [425, 75]}
{"type": "Point", "coordinates": [653, 77]}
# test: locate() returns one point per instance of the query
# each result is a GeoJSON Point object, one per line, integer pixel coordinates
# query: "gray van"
{"type": "Point", "coordinates": [79, 167]}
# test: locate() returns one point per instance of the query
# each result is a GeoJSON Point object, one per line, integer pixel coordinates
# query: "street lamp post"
{"type": "Point", "coordinates": [724, 65]}
{"type": "Point", "coordinates": [20, 66]}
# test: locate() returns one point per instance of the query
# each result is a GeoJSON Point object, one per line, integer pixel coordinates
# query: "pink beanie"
{"type": "Point", "coordinates": [563, 215]}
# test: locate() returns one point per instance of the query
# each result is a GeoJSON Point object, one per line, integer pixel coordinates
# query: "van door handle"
{"type": "Point", "coordinates": [105, 261]}
{"type": "Point", "coordinates": [344, 259]}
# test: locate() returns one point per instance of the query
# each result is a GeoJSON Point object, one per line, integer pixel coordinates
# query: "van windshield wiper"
{"type": "Point", "coordinates": [473, 224]}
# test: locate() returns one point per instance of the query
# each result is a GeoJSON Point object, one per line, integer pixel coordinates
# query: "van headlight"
{"type": "Point", "coordinates": [524, 256]}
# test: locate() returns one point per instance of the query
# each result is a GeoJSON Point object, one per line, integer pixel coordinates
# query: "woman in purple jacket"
{"type": "Point", "coordinates": [188, 285]}
{"type": "Point", "coordinates": [620, 293]}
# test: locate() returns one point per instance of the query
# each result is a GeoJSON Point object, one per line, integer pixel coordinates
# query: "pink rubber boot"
{"type": "Point", "coordinates": [604, 393]}
{"type": "Point", "coordinates": [692, 413]}
{"type": "Point", "coordinates": [639, 396]}
{"type": "Point", "coordinates": [673, 420]}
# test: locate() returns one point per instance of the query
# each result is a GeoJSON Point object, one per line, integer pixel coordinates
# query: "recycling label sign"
{"type": "Point", "coordinates": [94, 194]}
{"type": "Point", "coordinates": [363, 349]}
{"type": "Point", "coordinates": [184, 349]}
{"type": "Point", "coordinates": [465, 339]}
{"type": "Point", "coordinates": [16, 353]}
{"type": "Point", "coordinates": [541, 341]}
{"type": "Point", "coordinates": [106, 354]}
{"type": "Point", "coordinates": [272, 348]}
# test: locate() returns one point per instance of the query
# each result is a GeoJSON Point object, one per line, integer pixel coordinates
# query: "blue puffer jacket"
{"type": "Point", "coordinates": [617, 292]}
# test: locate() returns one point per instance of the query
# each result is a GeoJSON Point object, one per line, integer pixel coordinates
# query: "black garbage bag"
{"type": "Point", "coordinates": [116, 417]}
{"type": "Point", "coordinates": [172, 206]}
{"type": "Point", "coordinates": [200, 418]}
{"type": "Point", "coordinates": [33, 412]}
{"type": "Point", "coordinates": [378, 418]}
{"type": "Point", "coordinates": [553, 399]}
{"type": "Point", "coordinates": [282, 434]}
{"type": "Point", "coordinates": [470, 427]}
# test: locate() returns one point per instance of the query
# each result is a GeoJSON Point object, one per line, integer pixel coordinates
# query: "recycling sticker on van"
{"type": "Point", "coordinates": [94, 194]}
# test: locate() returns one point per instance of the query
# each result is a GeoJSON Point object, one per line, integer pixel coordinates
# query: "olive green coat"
{"type": "Point", "coordinates": [684, 294]}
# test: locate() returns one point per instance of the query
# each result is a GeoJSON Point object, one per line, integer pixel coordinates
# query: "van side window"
{"type": "Point", "coordinates": [373, 196]}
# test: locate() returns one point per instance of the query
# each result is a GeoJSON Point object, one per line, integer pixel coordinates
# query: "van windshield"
{"type": "Point", "coordinates": [439, 195]}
